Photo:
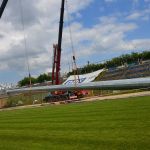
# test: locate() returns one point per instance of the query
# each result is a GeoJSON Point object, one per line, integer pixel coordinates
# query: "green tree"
{"type": "Point", "coordinates": [43, 77]}
{"type": "Point", "coordinates": [26, 81]}
{"type": "Point", "coordinates": [145, 55]}
{"type": "Point", "coordinates": [117, 61]}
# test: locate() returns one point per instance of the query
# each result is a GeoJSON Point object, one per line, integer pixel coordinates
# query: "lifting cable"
{"type": "Point", "coordinates": [72, 46]}
{"type": "Point", "coordinates": [25, 42]}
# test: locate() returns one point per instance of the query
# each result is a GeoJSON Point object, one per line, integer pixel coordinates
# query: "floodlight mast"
{"type": "Point", "coordinates": [57, 49]}
{"type": "Point", "coordinates": [3, 6]}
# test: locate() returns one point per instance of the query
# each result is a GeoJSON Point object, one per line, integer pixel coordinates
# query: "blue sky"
{"type": "Point", "coordinates": [122, 8]}
{"type": "Point", "coordinates": [101, 30]}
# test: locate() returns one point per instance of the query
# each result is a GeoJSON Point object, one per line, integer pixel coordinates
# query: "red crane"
{"type": "Point", "coordinates": [57, 49]}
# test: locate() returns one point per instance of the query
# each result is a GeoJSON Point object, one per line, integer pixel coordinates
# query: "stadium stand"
{"type": "Point", "coordinates": [127, 72]}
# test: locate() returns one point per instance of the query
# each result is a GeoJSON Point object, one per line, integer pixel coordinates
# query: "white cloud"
{"type": "Point", "coordinates": [41, 30]}
{"type": "Point", "coordinates": [139, 15]}
{"type": "Point", "coordinates": [134, 16]}
{"type": "Point", "coordinates": [107, 36]}
{"type": "Point", "coordinates": [41, 20]}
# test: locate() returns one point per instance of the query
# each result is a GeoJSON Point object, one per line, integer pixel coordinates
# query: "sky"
{"type": "Point", "coordinates": [101, 30]}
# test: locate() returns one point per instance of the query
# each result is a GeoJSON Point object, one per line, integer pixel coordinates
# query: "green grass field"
{"type": "Point", "coordinates": [102, 125]}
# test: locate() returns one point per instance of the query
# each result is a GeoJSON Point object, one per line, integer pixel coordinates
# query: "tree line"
{"type": "Point", "coordinates": [115, 62]}
{"type": "Point", "coordinates": [125, 59]}
{"type": "Point", "coordinates": [40, 79]}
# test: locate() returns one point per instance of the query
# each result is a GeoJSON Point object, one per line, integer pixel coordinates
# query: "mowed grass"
{"type": "Point", "coordinates": [101, 125]}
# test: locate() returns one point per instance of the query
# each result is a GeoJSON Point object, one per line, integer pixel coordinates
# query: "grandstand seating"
{"type": "Point", "coordinates": [131, 71]}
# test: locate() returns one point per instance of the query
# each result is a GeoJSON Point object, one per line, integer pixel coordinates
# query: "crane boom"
{"type": "Point", "coordinates": [61, 24]}
{"type": "Point", "coordinates": [2, 8]}
{"type": "Point", "coordinates": [57, 49]}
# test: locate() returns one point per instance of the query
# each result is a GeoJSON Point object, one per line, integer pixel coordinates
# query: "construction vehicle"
{"type": "Point", "coordinates": [60, 95]}
{"type": "Point", "coordinates": [57, 95]}
{"type": "Point", "coordinates": [66, 96]}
